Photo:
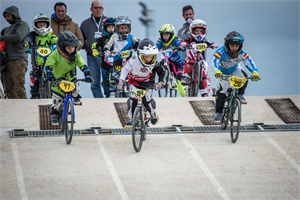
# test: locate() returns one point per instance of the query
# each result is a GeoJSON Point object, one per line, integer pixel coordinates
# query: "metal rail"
{"type": "Point", "coordinates": [256, 127]}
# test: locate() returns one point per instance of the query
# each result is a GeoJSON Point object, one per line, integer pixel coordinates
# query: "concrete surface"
{"type": "Point", "coordinates": [170, 166]}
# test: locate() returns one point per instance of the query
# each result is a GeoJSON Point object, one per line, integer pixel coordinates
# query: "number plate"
{"type": "Point", "coordinates": [67, 86]}
{"type": "Point", "coordinates": [200, 47]}
{"type": "Point", "coordinates": [237, 82]}
{"type": "Point", "coordinates": [140, 93]}
{"type": "Point", "coordinates": [43, 51]}
{"type": "Point", "coordinates": [125, 54]}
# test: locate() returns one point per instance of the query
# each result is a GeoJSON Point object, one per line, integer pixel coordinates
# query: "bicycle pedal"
{"type": "Point", "coordinates": [78, 104]}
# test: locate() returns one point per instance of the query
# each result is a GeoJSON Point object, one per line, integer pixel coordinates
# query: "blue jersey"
{"type": "Point", "coordinates": [223, 62]}
{"type": "Point", "coordinates": [176, 56]}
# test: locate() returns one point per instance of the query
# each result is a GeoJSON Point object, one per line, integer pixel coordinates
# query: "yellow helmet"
{"type": "Point", "coordinates": [167, 28]}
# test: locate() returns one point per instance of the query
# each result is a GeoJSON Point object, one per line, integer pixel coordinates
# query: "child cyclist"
{"type": "Point", "coordinates": [197, 35]}
{"type": "Point", "coordinates": [168, 40]}
{"type": "Point", "coordinates": [122, 40]}
{"type": "Point", "coordinates": [42, 36]}
{"type": "Point", "coordinates": [62, 64]}
{"type": "Point", "coordinates": [108, 29]}
{"type": "Point", "coordinates": [141, 71]}
{"type": "Point", "coordinates": [226, 61]}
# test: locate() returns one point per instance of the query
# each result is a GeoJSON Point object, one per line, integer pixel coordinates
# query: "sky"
{"type": "Point", "coordinates": [270, 28]}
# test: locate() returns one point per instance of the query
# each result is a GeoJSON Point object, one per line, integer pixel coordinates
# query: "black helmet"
{"type": "Point", "coordinates": [147, 47]}
{"type": "Point", "coordinates": [233, 37]}
{"type": "Point", "coordinates": [66, 38]}
{"type": "Point", "coordinates": [105, 23]}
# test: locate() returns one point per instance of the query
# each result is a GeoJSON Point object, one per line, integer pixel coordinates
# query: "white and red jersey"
{"type": "Point", "coordinates": [139, 76]}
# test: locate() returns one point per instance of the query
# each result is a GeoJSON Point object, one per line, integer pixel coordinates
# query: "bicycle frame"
{"type": "Point", "coordinates": [197, 71]}
{"type": "Point", "coordinates": [110, 60]}
{"type": "Point", "coordinates": [166, 54]}
{"type": "Point", "coordinates": [42, 52]}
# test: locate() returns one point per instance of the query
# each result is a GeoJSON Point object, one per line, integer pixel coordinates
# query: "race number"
{"type": "Point", "coordinates": [67, 86]}
{"type": "Point", "coordinates": [43, 51]}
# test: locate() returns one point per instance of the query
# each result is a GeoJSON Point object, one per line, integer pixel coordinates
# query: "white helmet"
{"type": "Point", "coordinates": [41, 18]}
{"type": "Point", "coordinates": [198, 23]}
{"type": "Point", "coordinates": [147, 47]}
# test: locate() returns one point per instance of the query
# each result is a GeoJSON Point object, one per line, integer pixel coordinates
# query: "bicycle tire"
{"type": "Point", "coordinates": [225, 114]}
{"type": "Point", "coordinates": [191, 87]}
{"type": "Point", "coordinates": [137, 129]}
{"type": "Point", "coordinates": [173, 88]}
{"type": "Point", "coordinates": [69, 121]}
{"type": "Point", "coordinates": [164, 92]}
{"type": "Point", "coordinates": [235, 119]}
{"type": "Point", "coordinates": [197, 83]}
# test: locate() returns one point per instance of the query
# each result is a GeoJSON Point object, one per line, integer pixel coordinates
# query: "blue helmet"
{"type": "Point", "coordinates": [233, 37]}
{"type": "Point", "coordinates": [105, 23]}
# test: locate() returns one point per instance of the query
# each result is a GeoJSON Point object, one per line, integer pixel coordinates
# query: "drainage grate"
{"type": "Point", "coordinates": [45, 118]}
{"type": "Point", "coordinates": [50, 133]}
{"type": "Point", "coordinates": [205, 110]}
{"type": "Point", "coordinates": [123, 131]}
{"type": "Point", "coordinates": [215, 128]}
{"type": "Point", "coordinates": [285, 108]}
{"type": "Point", "coordinates": [288, 127]}
{"type": "Point", "coordinates": [121, 109]}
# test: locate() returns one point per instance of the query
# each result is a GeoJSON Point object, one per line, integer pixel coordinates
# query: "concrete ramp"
{"type": "Point", "coordinates": [24, 114]}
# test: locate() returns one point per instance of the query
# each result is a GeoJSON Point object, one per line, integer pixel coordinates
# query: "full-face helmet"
{"type": "Point", "coordinates": [167, 28]}
{"type": "Point", "coordinates": [147, 47]}
{"type": "Point", "coordinates": [41, 18]}
{"type": "Point", "coordinates": [233, 37]}
{"type": "Point", "coordinates": [198, 23]}
{"type": "Point", "coordinates": [123, 20]}
{"type": "Point", "coordinates": [66, 38]}
{"type": "Point", "coordinates": [105, 23]}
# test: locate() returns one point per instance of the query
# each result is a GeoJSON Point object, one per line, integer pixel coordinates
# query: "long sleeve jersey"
{"type": "Point", "coordinates": [61, 67]}
{"type": "Point", "coordinates": [176, 56]}
{"type": "Point", "coordinates": [120, 45]}
{"type": "Point", "coordinates": [44, 41]}
{"type": "Point", "coordinates": [223, 62]}
{"type": "Point", "coordinates": [101, 42]}
{"type": "Point", "coordinates": [190, 53]}
{"type": "Point", "coordinates": [139, 76]}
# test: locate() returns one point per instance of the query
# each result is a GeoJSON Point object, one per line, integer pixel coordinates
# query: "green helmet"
{"type": "Point", "coordinates": [167, 28]}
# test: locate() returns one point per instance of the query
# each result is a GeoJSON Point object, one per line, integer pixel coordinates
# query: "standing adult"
{"type": "Point", "coordinates": [92, 30]}
{"type": "Point", "coordinates": [60, 21]}
{"type": "Point", "coordinates": [17, 59]}
{"type": "Point", "coordinates": [188, 15]}
{"type": "Point", "coordinates": [184, 32]}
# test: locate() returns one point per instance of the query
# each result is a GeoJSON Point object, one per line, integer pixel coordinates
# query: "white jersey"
{"type": "Point", "coordinates": [120, 45]}
{"type": "Point", "coordinates": [139, 76]}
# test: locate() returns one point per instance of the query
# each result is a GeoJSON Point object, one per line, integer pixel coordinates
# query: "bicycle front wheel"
{"type": "Point", "coordinates": [225, 116]}
{"type": "Point", "coordinates": [235, 119]}
{"type": "Point", "coordinates": [69, 121]}
{"type": "Point", "coordinates": [137, 129]}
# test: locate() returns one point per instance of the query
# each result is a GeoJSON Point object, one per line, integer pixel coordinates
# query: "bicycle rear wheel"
{"type": "Point", "coordinates": [69, 121]}
{"type": "Point", "coordinates": [164, 92]}
{"type": "Point", "coordinates": [235, 119]}
{"type": "Point", "coordinates": [173, 88]}
{"type": "Point", "coordinates": [137, 129]}
{"type": "Point", "coordinates": [225, 115]}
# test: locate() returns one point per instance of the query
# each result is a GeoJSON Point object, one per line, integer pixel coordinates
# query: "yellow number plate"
{"type": "Point", "coordinates": [43, 51]}
{"type": "Point", "coordinates": [237, 82]}
{"type": "Point", "coordinates": [125, 54]}
{"type": "Point", "coordinates": [140, 93]}
{"type": "Point", "coordinates": [200, 47]}
{"type": "Point", "coordinates": [67, 86]}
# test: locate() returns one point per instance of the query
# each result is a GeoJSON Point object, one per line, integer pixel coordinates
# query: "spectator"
{"type": "Point", "coordinates": [184, 32]}
{"type": "Point", "coordinates": [60, 21]}
{"type": "Point", "coordinates": [188, 15]}
{"type": "Point", "coordinates": [17, 61]}
{"type": "Point", "coordinates": [92, 30]}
